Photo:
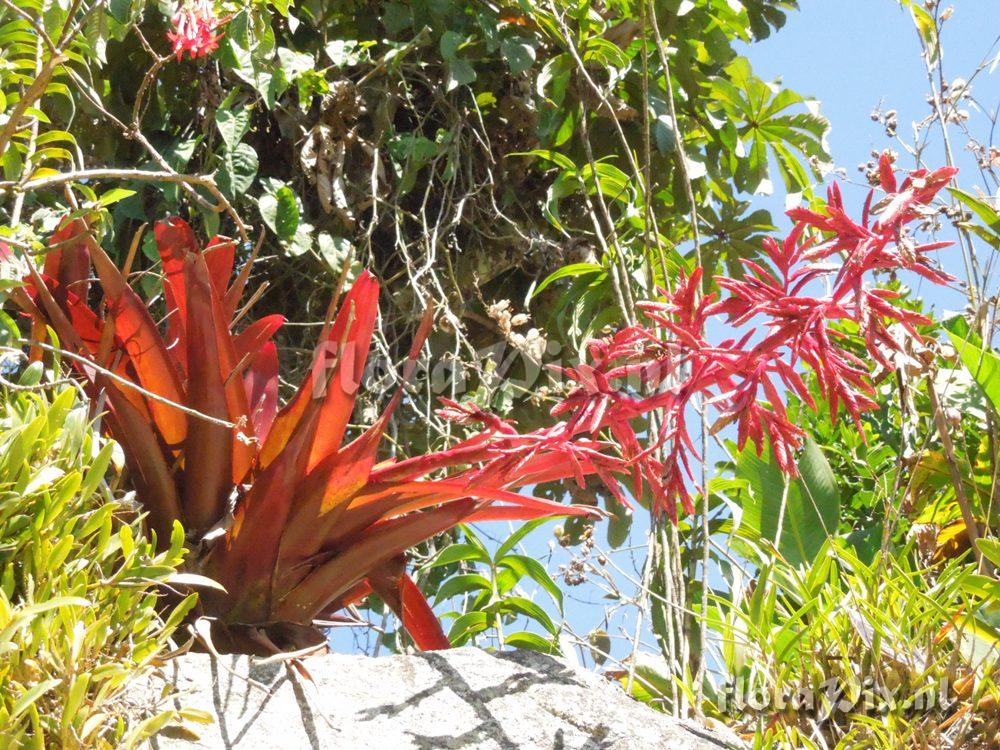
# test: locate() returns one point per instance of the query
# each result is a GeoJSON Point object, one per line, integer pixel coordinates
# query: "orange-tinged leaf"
{"type": "Point", "coordinates": [153, 365]}
{"type": "Point", "coordinates": [406, 599]}
{"type": "Point", "coordinates": [330, 580]}
{"type": "Point", "coordinates": [250, 340]}
{"type": "Point", "coordinates": [68, 262]}
{"type": "Point", "coordinates": [208, 449]}
{"type": "Point", "coordinates": [261, 385]}
{"type": "Point", "coordinates": [150, 472]}
{"type": "Point", "coordinates": [321, 499]}
{"type": "Point", "coordinates": [299, 413]}
{"type": "Point", "coordinates": [346, 366]}
{"type": "Point", "coordinates": [175, 241]}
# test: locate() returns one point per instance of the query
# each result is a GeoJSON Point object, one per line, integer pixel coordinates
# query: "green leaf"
{"type": "Point", "coordinates": [519, 54]}
{"type": "Point", "coordinates": [467, 625]}
{"type": "Point", "coordinates": [293, 64]}
{"type": "Point", "coordinates": [619, 524]}
{"type": "Point", "coordinates": [984, 365]}
{"type": "Point", "coordinates": [990, 549]}
{"type": "Point", "coordinates": [570, 271]}
{"type": "Point", "coordinates": [30, 696]}
{"type": "Point", "coordinates": [280, 211]}
{"type": "Point", "coordinates": [232, 125]}
{"type": "Point", "coordinates": [114, 195]}
{"type": "Point", "coordinates": [927, 29]}
{"type": "Point", "coordinates": [334, 251]}
{"type": "Point", "coordinates": [530, 567]}
{"type": "Point", "coordinates": [32, 374]}
{"type": "Point", "coordinates": [344, 52]}
{"type": "Point", "coordinates": [239, 168]}
{"type": "Point", "coordinates": [286, 218]}
{"type": "Point", "coordinates": [461, 584]}
{"type": "Point", "coordinates": [121, 10]}
{"type": "Point", "coordinates": [811, 510]}
{"type": "Point", "coordinates": [528, 641]}
{"type": "Point", "coordinates": [666, 138]}
{"type": "Point", "coordinates": [9, 334]}
{"type": "Point", "coordinates": [454, 553]}
{"type": "Point", "coordinates": [528, 608]}
{"type": "Point", "coordinates": [460, 70]}
{"type": "Point", "coordinates": [194, 580]}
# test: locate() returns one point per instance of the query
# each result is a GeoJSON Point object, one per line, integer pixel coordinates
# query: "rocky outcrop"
{"type": "Point", "coordinates": [463, 698]}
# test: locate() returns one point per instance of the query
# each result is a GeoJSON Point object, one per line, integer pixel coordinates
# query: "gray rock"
{"type": "Point", "coordinates": [463, 698]}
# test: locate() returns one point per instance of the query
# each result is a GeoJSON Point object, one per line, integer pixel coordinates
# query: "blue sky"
{"type": "Point", "coordinates": [856, 55]}
{"type": "Point", "coordinates": [852, 55]}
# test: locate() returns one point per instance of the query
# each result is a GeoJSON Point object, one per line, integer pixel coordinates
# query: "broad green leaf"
{"type": "Point", "coordinates": [466, 626]}
{"type": "Point", "coordinates": [984, 365]}
{"type": "Point", "coordinates": [280, 211]}
{"type": "Point", "coordinates": [459, 553]}
{"type": "Point", "coordinates": [461, 584]}
{"type": "Point", "coordinates": [232, 125]}
{"type": "Point", "coordinates": [114, 195]}
{"type": "Point", "coordinates": [239, 168]}
{"type": "Point", "coordinates": [528, 608]}
{"type": "Point", "coordinates": [519, 54]}
{"type": "Point", "coordinates": [990, 549]}
{"type": "Point", "coordinates": [572, 270]}
{"type": "Point", "coordinates": [811, 509]}
{"type": "Point", "coordinates": [529, 641]}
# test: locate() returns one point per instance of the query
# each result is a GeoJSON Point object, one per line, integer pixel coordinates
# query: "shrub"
{"type": "Point", "coordinates": [78, 601]}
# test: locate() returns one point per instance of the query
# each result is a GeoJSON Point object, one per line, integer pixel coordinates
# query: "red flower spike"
{"type": "Point", "coordinates": [794, 329]}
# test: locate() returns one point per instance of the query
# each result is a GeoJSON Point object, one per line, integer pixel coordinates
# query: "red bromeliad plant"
{"type": "Point", "coordinates": [296, 524]}
{"type": "Point", "coordinates": [292, 520]}
{"type": "Point", "coordinates": [740, 377]}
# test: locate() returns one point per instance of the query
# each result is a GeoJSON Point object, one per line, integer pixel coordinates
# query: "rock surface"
{"type": "Point", "coordinates": [463, 698]}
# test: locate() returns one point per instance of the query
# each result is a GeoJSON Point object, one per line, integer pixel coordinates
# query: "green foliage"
{"type": "Point", "coordinates": [79, 607]}
{"type": "Point", "coordinates": [817, 633]}
{"type": "Point", "coordinates": [488, 591]}
{"type": "Point", "coordinates": [796, 515]}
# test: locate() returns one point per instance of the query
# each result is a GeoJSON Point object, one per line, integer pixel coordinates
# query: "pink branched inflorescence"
{"type": "Point", "coordinates": [785, 332]}
{"type": "Point", "coordinates": [195, 23]}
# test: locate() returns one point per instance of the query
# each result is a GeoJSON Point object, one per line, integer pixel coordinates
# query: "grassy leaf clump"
{"type": "Point", "coordinates": [78, 581]}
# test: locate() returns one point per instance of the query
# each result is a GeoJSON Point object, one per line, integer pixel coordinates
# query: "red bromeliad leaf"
{"type": "Point", "coordinates": [149, 357]}
{"type": "Point", "coordinates": [399, 591]}
{"type": "Point", "coordinates": [220, 257]}
{"type": "Point", "coordinates": [68, 263]}
{"type": "Point", "coordinates": [261, 384]}
{"type": "Point", "coordinates": [174, 242]}
{"type": "Point", "coordinates": [358, 306]}
{"type": "Point", "coordinates": [208, 448]}
{"type": "Point", "coordinates": [342, 369]}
